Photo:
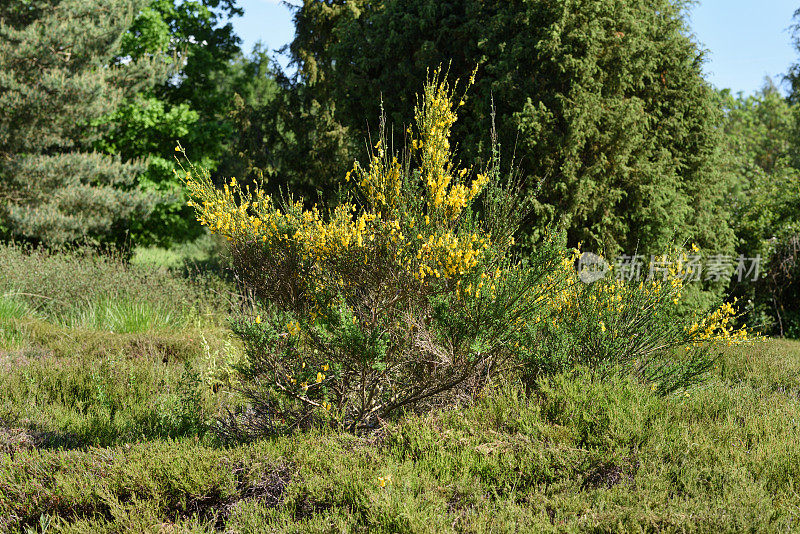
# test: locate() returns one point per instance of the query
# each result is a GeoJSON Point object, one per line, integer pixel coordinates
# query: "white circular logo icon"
{"type": "Point", "coordinates": [592, 268]}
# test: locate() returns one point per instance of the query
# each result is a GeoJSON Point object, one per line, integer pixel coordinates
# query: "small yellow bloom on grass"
{"type": "Point", "coordinates": [384, 481]}
{"type": "Point", "coordinates": [320, 377]}
{"type": "Point", "coordinates": [293, 328]}
{"type": "Point", "coordinates": [258, 319]}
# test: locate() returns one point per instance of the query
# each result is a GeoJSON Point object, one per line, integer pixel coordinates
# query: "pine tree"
{"type": "Point", "coordinates": [58, 77]}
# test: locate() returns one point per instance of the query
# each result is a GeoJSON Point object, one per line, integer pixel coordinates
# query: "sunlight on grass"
{"type": "Point", "coordinates": [12, 335]}
{"type": "Point", "coordinates": [11, 308]}
{"type": "Point", "coordinates": [200, 250]}
{"type": "Point", "coordinates": [124, 316]}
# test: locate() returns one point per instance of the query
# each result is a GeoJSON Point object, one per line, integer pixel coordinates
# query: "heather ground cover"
{"type": "Point", "coordinates": [107, 430]}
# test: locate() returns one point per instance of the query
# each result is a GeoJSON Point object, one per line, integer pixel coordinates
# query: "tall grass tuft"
{"type": "Point", "coordinates": [124, 316]}
{"type": "Point", "coordinates": [12, 308]}
{"type": "Point", "coordinates": [64, 285]}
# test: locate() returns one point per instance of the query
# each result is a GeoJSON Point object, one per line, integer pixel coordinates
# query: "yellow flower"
{"type": "Point", "coordinates": [383, 481]}
{"type": "Point", "coordinates": [320, 377]}
{"type": "Point", "coordinates": [325, 367]}
{"type": "Point", "coordinates": [258, 319]}
{"type": "Point", "coordinates": [293, 328]}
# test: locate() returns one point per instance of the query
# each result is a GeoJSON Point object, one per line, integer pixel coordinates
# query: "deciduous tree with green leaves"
{"type": "Point", "coordinates": [192, 106]}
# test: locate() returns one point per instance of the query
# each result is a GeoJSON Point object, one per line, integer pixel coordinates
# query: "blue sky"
{"type": "Point", "coordinates": [746, 40]}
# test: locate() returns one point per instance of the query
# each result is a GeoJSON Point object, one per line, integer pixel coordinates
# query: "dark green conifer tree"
{"type": "Point", "coordinates": [59, 74]}
{"type": "Point", "coordinates": [603, 103]}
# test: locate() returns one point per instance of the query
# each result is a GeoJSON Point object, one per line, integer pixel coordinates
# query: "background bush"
{"type": "Point", "coordinates": [637, 328]}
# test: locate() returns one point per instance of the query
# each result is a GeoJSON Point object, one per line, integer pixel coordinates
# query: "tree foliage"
{"type": "Point", "coordinates": [761, 132]}
{"type": "Point", "coordinates": [604, 103]}
{"type": "Point", "coordinates": [58, 75]}
{"type": "Point", "coordinates": [283, 135]}
{"type": "Point", "coordinates": [191, 106]}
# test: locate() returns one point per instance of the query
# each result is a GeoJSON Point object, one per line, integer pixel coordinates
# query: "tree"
{"type": "Point", "coordinates": [603, 103]}
{"type": "Point", "coordinates": [761, 132]}
{"type": "Point", "coordinates": [793, 75]}
{"type": "Point", "coordinates": [288, 139]}
{"type": "Point", "coordinates": [193, 106]}
{"type": "Point", "coordinates": [147, 128]}
{"type": "Point", "coordinates": [58, 75]}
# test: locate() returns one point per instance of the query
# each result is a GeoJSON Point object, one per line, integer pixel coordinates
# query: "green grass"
{"type": "Point", "coordinates": [108, 403]}
{"type": "Point", "coordinates": [11, 308]}
{"type": "Point", "coordinates": [204, 250]}
{"type": "Point", "coordinates": [106, 289]}
{"type": "Point", "coordinates": [579, 455]}
{"type": "Point", "coordinates": [126, 316]}
{"type": "Point", "coordinates": [77, 387]}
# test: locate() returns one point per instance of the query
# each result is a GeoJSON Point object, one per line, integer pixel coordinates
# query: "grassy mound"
{"type": "Point", "coordinates": [581, 455]}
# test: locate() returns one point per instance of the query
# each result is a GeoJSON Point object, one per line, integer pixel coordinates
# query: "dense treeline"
{"type": "Point", "coordinates": [602, 104]}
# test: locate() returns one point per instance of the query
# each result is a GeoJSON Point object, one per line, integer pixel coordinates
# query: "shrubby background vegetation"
{"type": "Point", "coordinates": [382, 326]}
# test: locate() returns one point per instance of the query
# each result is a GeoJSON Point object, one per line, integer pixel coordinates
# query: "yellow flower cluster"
{"type": "Point", "coordinates": [566, 288]}
{"type": "Point", "coordinates": [435, 117]}
{"type": "Point", "coordinates": [487, 286]}
{"type": "Point", "coordinates": [718, 327]}
{"type": "Point", "coordinates": [291, 381]}
{"type": "Point", "coordinates": [447, 255]}
{"type": "Point", "coordinates": [381, 181]}
{"type": "Point", "coordinates": [611, 302]}
{"type": "Point", "coordinates": [293, 328]}
{"type": "Point", "coordinates": [256, 218]}
{"type": "Point", "coordinates": [434, 249]}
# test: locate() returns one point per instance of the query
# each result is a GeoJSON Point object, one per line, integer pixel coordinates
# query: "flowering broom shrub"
{"type": "Point", "coordinates": [395, 298]}
{"type": "Point", "coordinates": [405, 294]}
{"type": "Point", "coordinates": [632, 327]}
